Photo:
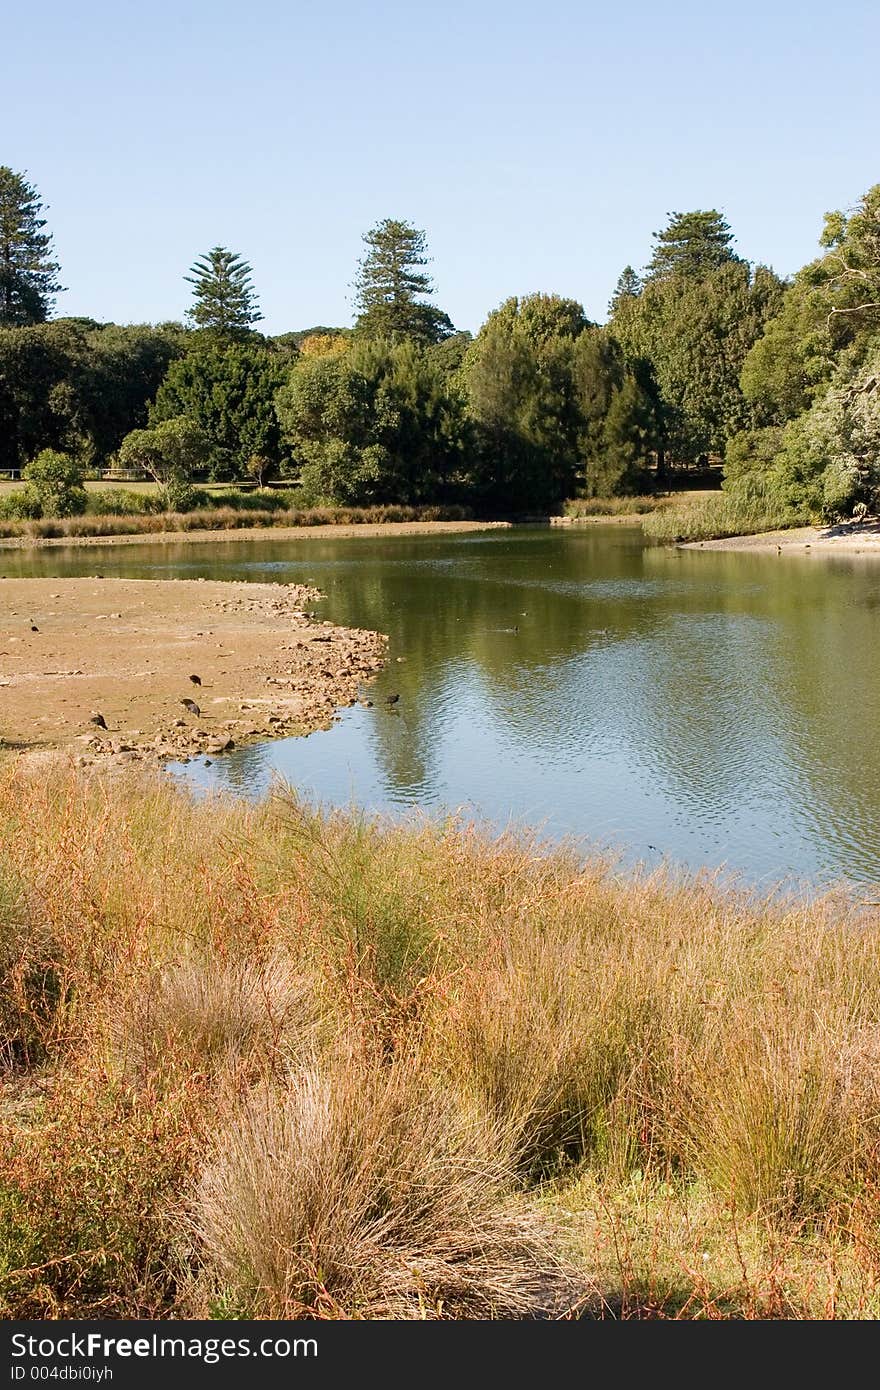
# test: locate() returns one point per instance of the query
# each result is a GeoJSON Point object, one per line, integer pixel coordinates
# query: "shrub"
{"type": "Point", "coordinates": [22, 505]}
{"type": "Point", "coordinates": [90, 1213]}
{"type": "Point", "coordinates": [712, 518]}
{"type": "Point", "coordinates": [57, 480]}
{"type": "Point", "coordinates": [113, 501]}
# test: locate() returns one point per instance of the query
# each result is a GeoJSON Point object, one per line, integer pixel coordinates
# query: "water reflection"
{"type": "Point", "coordinates": [709, 707]}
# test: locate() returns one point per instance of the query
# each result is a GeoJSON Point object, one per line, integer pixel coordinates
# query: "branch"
{"type": "Point", "coordinates": [856, 308]}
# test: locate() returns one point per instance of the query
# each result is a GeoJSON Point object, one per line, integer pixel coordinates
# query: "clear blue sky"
{"type": "Point", "coordinates": [539, 144]}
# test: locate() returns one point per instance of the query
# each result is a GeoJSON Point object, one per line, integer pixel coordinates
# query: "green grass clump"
{"type": "Point", "coordinates": [719, 516]}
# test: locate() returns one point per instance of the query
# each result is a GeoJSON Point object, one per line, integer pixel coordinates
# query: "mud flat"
{"type": "Point", "coordinates": [127, 648]}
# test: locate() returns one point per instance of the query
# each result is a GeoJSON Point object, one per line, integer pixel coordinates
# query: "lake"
{"type": "Point", "coordinates": [707, 708]}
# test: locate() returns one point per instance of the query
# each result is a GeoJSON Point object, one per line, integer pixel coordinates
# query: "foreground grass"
{"type": "Point", "coordinates": [719, 515]}
{"type": "Point", "coordinates": [258, 1062]}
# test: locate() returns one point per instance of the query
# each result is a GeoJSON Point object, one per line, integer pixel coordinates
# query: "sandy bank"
{"type": "Point", "coordinates": [273, 533]}
{"type": "Point", "coordinates": [128, 647]}
{"type": "Point", "coordinates": [853, 538]}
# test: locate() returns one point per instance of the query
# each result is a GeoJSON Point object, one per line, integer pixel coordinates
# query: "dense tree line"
{"type": "Point", "coordinates": [703, 355]}
{"type": "Point", "coordinates": [813, 380]}
{"type": "Point", "coordinates": [79, 386]}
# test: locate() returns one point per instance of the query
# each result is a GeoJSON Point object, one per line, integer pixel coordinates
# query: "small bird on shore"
{"type": "Point", "coordinates": [392, 699]}
{"type": "Point", "coordinates": [196, 680]}
{"type": "Point", "coordinates": [97, 719]}
{"type": "Point", "coordinates": [34, 627]}
{"type": "Point", "coordinates": [192, 707]}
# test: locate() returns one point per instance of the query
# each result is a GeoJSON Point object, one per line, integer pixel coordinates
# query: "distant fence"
{"type": "Point", "coordinates": [124, 475]}
{"type": "Point", "coordinates": [12, 474]}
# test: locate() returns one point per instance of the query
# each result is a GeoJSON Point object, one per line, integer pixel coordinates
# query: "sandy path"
{"type": "Point", "coordinates": [127, 648]}
{"type": "Point", "coordinates": [853, 538]}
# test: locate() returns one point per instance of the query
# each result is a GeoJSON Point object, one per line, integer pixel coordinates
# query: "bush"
{"type": "Point", "coordinates": [22, 505]}
{"type": "Point", "coordinates": [206, 1014]}
{"type": "Point", "coordinates": [112, 501]}
{"type": "Point", "coordinates": [57, 480]}
{"type": "Point", "coordinates": [259, 501]}
{"type": "Point", "coordinates": [89, 1204]}
{"type": "Point", "coordinates": [613, 506]}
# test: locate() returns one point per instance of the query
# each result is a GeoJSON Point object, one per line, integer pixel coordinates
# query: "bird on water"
{"type": "Point", "coordinates": [392, 699]}
{"type": "Point", "coordinates": [192, 707]}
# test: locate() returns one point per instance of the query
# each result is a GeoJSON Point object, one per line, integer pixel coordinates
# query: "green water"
{"type": "Point", "coordinates": [708, 708]}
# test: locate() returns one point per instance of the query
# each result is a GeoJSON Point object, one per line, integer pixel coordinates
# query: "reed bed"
{"type": "Point", "coordinates": [721, 515]}
{"type": "Point", "coordinates": [259, 1061]}
{"type": "Point", "coordinates": [616, 506]}
{"type": "Point", "coordinates": [219, 518]}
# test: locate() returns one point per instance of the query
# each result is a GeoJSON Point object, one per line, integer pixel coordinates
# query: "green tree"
{"type": "Point", "coordinates": [619, 428]}
{"type": "Point", "coordinates": [390, 288]}
{"type": "Point", "coordinates": [124, 367]}
{"type": "Point", "coordinates": [629, 286]}
{"type": "Point", "coordinates": [811, 380]}
{"type": "Point", "coordinates": [691, 244]}
{"type": "Point", "coordinates": [829, 460]}
{"type": "Point", "coordinates": [78, 386]}
{"type": "Point", "coordinates": [224, 299]}
{"type": "Point", "coordinates": [850, 271]}
{"type": "Point", "coordinates": [57, 480]}
{"type": "Point", "coordinates": [379, 423]}
{"type": "Point", "coordinates": [449, 354]}
{"type": "Point", "coordinates": [827, 322]}
{"type": "Point", "coordinates": [28, 275]}
{"type": "Point", "coordinates": [228, 389]}
{"type": "Point", "coordinates": [171, 452]}
{"type": "Point", "coordinates": [695, 329]}
{"type": "Point", "coordinates": [521, 399]}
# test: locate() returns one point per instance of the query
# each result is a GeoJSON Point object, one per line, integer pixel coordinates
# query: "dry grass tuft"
{"type": "Point", "coordinates": [361, 1188]}
{"type": "Point", "coordinates": [201, 1016]}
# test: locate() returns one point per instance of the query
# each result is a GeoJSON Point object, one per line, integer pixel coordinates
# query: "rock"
{"type": "Point", "coordinates": [220, 745]}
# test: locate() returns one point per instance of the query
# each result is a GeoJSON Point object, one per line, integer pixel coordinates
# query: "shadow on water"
{"type": "Point", "coordinates": [710, 707]}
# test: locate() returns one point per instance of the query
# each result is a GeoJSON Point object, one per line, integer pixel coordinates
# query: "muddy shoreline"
{"type": "Point", "coordinates": [126, 650]}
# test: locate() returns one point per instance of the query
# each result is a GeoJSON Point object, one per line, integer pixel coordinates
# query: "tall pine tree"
{"type": "Point", "coordinates": [692, 244]}
{"type": "Point", "coordinates": [389, 284]}
{"type": "Point", "coordinates": [628, 286]}
{"type": "Point", "coordinates": [225, 301]}
{"type": "Point", "coordinates": [28, 275]}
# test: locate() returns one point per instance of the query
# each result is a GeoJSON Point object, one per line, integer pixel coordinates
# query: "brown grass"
{"type": "Point", "coordinates": [444, 1042]}
{"type": "Point", "coordinates": [362, 1185]}
{"type": "Point", "coordinates": [220, 518]}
